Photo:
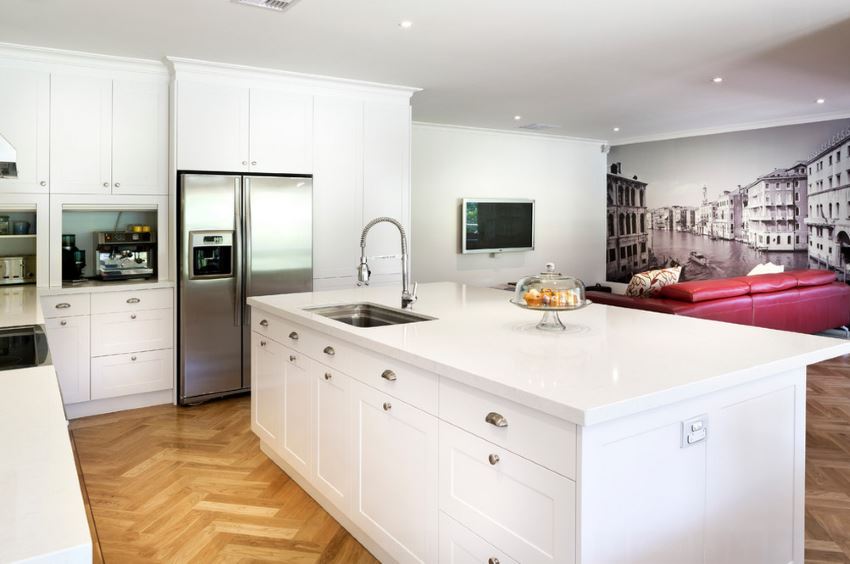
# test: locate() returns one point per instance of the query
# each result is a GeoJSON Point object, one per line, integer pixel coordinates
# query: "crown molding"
{"type": "Point", "coordinates": [797, 120]}
{"type": "Point", "coordinates": [492, 131]}
{"type": "Point", "coordinates": [61, 57]}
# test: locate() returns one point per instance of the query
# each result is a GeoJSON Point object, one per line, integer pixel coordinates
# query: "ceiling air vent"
{"type": "Point", "coordinates": [276, 5]}
{"type": "Point", "coordinates": [539, 126]}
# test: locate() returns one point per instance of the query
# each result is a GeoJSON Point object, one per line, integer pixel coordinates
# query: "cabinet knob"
{"type": "Point", "coordinates": [118, 185]}
{"type": "Point", "coordinates": [133, 358]}
{"type": "Point", "coordinates": [389, 375]}
{"type": "Point", "coordinates": [329, 351]}
{"type": "Point", "coordinates": [387, 406]}
{"type": "Point", "coordinates": [132, 316]}
{"type": "Point", "coordinates": [494, 459]}
{"type": "Point", "coordinates": [264, 323]}
{"type": "Point", "coordinates": [63, 305]}
{"type": "Point", "coordinates": [42, 183]}
{"type": "Point", "coordinates": [496, 419]}
{"type": "Point", "coordinates": [262, 343]}
{"type": "Point", "coordinates": [493, 560]}
{"type": "Point", "coordinates": [244, 163]}
{"type": "Point", "coordinates": [133, 300]}
{"type": "Point", "coordinates": [63, 323]}
{"type": "Point", "coordinates": [292, 358]}
{"type": "Point", "coordinates": [253, 163]}
{"type": "Point", "coordinates": [328, 375]}
{"type": "Point", "coordinates": [293, 336]}
{"type": "Point", "coordinates": [106, 184]}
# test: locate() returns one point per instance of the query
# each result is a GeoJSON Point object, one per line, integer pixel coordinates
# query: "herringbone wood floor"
{"type": "Point", "coordinates": [172, 484]}
{"type": "Point", "coordinates": [169, 484]}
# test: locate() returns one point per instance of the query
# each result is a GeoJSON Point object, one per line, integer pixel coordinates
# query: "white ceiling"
{"type": "Point", "coordinates": [585, 65]}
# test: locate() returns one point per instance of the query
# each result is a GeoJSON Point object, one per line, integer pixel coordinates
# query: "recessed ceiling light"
{"type": "Point", "coordinates": [517, 118]}
{"type": "Point", "coordinates": [717, 79]}
{"type": "Point", "coordinates": [616, 129]}
{"type": "Point", "coordinates": [820, 101]}
{"type": "Point", "coordinates": [405, 24]}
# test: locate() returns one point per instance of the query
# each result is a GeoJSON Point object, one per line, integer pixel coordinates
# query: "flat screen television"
{"type": "Point", "coordinates": [493, 225]}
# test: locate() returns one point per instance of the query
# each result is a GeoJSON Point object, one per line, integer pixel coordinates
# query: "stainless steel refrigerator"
{"type": "Point", "coordinates": [238, 236]}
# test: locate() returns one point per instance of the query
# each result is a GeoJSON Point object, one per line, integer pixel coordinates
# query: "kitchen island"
{"type": "Point", "coordinates": [630, 437]}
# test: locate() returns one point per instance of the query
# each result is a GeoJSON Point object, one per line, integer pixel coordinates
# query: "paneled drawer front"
{"type": "Point", "coordinates": [459, 545]}
{"type": "Point", "coordinates": [278, 329]}
{"type": "Point", "coordinates": [407, 383]}
{"type": "Point", "coordinates": [144, 330]}
{"type": "Point", "coordinates": [133, 300]}
{"type": "Point", "coordinates": [65, 306]}
{"type": "Point", "coordinates": [522, 508]}
{"type": "Point", "coordinates": [135, 373]}
{"type": "Point", "coordinates": [542, 438]}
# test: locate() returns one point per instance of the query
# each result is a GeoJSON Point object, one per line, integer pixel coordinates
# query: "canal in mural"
{"type": "Point", "coordinates": [723, 258]}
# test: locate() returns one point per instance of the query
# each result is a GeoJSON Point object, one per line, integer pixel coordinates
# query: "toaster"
{"type": "Point", "coordinates": [17, 270]}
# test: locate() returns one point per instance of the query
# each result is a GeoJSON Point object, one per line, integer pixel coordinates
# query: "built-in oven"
{"type": "Point", "coordinates": [23, 347]}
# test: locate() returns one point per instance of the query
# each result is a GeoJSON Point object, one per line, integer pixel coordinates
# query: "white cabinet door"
{"type": "Point", "coordinates": [134, 373]}
{"type": "Point", "coordinates": [395, 492]}
{"type": "Point", "coordinates": [80, 134]}
{"type": "Point", "coordinates": [267, 366]}
{"type": "Point", "coordinates": [333, 435]}
{"type": "Point", "coordinates": [124, 332]}
{"type": "Point", "coordinates": [25, 123]}
{"type": "Point", "coordinates": [69, 348]}
{"type": "Point", "coordinates": [212, 127]}
{"type": "Point", "coordinates": [139, 137]}
{"type": "Point", "coordinates": [386, 185]}
{"type": "Point", "coordinates": [296, 445]}
{"type": "Point", "coordinates": [281, 132]}
{"type": "Point", "coordinates": [337, 187]}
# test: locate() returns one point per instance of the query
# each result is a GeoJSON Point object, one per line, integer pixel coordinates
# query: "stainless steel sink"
{"type": "Point", "coordinates": [367, 315]}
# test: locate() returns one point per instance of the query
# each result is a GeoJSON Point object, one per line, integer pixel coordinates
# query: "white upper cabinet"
{"type": "Point", "coordinates": [281, 132]}
{"type": "Point", "coordinates": [80, 134]}
{"type": "Point", "coordinates": [25, 123]}
{"type": "Point", "coordinates": [212, 127]}
{"type": "Point", "coordinates": [139, 137]}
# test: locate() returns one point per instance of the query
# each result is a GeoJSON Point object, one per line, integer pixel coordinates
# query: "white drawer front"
{"type": "Point", "coordinates": [116, 333]}
{"type": "Point", "coordinates": [459, 545]}
{"type": "Point", "coordinates": [278, 329]}
{"type": "Point", "coordinates": [542, 438]}
{"type": "Point", "coordinates": [133, 300]}
{"type": "Point", "coordinates": [134, 373]}
{"type": "Point", "coordinates": [516, 505]}
{"type": "Point", "coordinates": [407, 383]}
{"type": "Point", "coordinates": [65, 306]}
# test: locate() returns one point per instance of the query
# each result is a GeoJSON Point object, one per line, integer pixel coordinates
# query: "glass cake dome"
{"type": "Point", "coordinates": [550, 292]}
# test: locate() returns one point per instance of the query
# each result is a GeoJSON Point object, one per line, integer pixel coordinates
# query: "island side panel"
{"type": "Point", "coordinates": [736, 496]}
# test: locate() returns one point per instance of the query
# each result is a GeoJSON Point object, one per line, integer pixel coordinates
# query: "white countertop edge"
{"type": "Point", "coordinates": [105, 287]}
{"type": "Point", "coordinates": [584, 417]}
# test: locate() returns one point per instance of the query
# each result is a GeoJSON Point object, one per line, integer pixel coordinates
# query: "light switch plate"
{"type": "Point", "coordinates": [694, 431]}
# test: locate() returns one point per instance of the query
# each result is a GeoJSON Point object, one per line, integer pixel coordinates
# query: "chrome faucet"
{"type": "Point", "coordinates": [363, 272]}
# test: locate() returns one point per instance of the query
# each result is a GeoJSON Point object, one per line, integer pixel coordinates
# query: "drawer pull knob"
{"type": "Point", "coordinates": [63, 323]}
{"type": "Point", "coordinates": [496, 419]}
{"type": "Point", "coordinates": [63, 305]}
{"type": "Point", "coordinates": [264, 323]}
{"type": "Point", "coordinates": [132, 316]}
{"type": "Point", "coordinates": [106, 184]}
{"type": "Point", "coordinates": [494, 459]}
{"type": "Point", "coordinates": [133, 358]}
{"type": "Point", "coordinates": [293, 336]}
{"type": "Point", "coordinates": [389, 375]}
{"type": "Point", "coordinates": [387, 406]}
{"type": "Point", "coordinates": [328, 375]}
{"type": "Point", "coordinates": [133, 300]}
{"type": "Point", "coordinates": [292, 358]}
{"type": "Point", "coordinates": [493, 560]}
{"type": "Point", "coordinates": [329, 351]}
{"type": "Point", "coordinates": [262, 343]}
{"type": "Point", "coordinates": [43, 183]}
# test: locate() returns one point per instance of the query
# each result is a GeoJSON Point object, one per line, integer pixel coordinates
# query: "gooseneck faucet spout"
{"type": "Point", "coordinates": [363, 271]}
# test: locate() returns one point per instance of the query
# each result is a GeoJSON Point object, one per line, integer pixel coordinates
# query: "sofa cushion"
{"type": "Point", "coordinates": [766, 283]}
{"type": "Point", "coordinates": [812, 277]}
{"type": "Point", "coordinates": [777, 310]}
{"type": "Point", "coordinates": [697, 291]}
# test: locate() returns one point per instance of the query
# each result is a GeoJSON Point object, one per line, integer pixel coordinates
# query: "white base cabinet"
{"type": "Point", "coordinates": [333, 441]}
{"type": "Point", "coordinates": [69, 339]}
{"type": "Point", "coordinates": [134, 373]}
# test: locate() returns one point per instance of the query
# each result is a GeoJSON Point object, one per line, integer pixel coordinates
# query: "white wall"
{"type": "Point", "coordinates": [566, 177]}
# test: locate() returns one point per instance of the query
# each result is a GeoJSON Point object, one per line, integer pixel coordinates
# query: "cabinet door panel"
{"type": "Point", "coordinates": [139, 137]}
{"type": "Point", "coordinates": [80, 134]}
{"type": "Point", "coordinates": [116, 333]}
{"type": "Point", "coordinates": [267, 366]}
{"type": "Point", "coordinates": [395, 475]}
{"type": "Point", "coordinates": [386, 173]}
{"type": "Point", "coordinates": [333, 436]}
{"type": "Point", "coordinates": [337, 186]}
{"type": "Point", "coordinates": [296, 435]}
{"type": "Point", "coordinates": [69, 340]}
{"type": "Point", "coordinates": [281, 138]}
{"type": "Point", "coordinates": [25, 123]}
{"type": "Point", "coordinates": [212, 127]}
{"type": "Point", "coordinates": [127, 374]}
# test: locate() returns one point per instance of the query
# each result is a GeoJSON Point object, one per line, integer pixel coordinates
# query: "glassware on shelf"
{"type": "Point", "coordinates": [550, 292]}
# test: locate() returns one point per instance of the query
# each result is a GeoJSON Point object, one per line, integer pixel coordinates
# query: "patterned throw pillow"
{"type": "Point", "coordinates": [648, 284]}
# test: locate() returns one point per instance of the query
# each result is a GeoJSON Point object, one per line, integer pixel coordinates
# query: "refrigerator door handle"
{"type": "Point", "coordinates": [237, 220]}
{"type": "Point", "coordinates": [248, 237]}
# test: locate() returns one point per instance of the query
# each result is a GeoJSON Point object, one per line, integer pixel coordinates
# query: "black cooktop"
{"type": "Point", "coordinates": [23, 347]}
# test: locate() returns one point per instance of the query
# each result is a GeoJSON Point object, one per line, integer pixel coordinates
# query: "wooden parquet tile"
{"type": "Point", "coordinates": [168, 484]}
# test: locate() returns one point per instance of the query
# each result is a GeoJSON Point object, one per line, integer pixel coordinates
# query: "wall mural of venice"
{"type": "Point", "coordinates": [720, 204]}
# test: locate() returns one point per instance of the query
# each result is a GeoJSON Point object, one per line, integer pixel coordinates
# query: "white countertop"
{"type": "Point", "coordinates": [42, 516]}
{"type": "Point", "coordinates": [99, 286]}
{"type": "Point", "coordinates": [19, 305]}
{"type": "Point", "coordinates": [612, 362]}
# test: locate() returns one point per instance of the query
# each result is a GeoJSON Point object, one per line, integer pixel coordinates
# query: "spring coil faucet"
{"type": "Point", "coordinates": [363, 271]}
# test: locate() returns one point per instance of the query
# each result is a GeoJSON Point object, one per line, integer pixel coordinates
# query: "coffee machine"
{"type": "Point", "coordinates": [73, 259]}
{"type": "Point", "coordinates": [125, 255]}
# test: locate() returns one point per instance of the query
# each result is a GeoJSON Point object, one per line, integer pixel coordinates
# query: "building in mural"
{"type": "Point", "coordinates": [828, 206]}
{"type": "Point", "coordinates": [627, 248]}
{"type": "Point", "coordinates": [775, 201]}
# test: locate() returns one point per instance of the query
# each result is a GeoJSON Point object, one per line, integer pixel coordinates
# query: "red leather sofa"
{"type": "Point", "coordinates": [805, 301]}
